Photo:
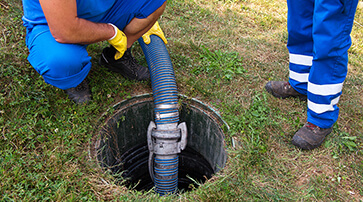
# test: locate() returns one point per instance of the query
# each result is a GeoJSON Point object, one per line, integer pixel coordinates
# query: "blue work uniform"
{"type": "Point", "coordinates": [67, 65]}
{"type": "Point", "coordinates": [318, 43]}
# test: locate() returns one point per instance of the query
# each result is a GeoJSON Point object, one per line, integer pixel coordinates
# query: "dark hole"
{"type": "Point", "coordinates": [133, 166]}
{"type": "Point", "coordinates": [121, 145]}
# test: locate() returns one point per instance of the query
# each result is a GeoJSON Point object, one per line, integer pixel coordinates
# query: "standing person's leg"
{"type": "Point", "coordinates": [300, 42]}
{"type": "Point", "coordinates": [300, 46]}
{"type": "Point", "coordinates": [333, 21]}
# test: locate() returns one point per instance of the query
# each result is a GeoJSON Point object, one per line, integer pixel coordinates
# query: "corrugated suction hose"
{"type": "Point", "coordinates": [165, 137]}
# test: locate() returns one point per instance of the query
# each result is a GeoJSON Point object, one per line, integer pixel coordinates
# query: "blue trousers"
{"type": "Point", "coordinates": [318, 43]}
{"type": "Point", "coordinates": [67, 65]}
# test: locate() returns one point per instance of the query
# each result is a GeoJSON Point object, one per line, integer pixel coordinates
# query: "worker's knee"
{"type": "Point", "coordinates": [61, 65]}
{"type": "Point", "coordinates": [66, 62]}
{"type": "Point", "coordinates": [141, 24]}
{"type": "Point", "coordinates": [159, 11]}
{"type": "Point", "coordinates": [58, 62]}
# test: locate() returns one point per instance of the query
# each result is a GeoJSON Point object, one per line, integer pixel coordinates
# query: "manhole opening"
{"type": "Point", "coordinates": [121, 144]}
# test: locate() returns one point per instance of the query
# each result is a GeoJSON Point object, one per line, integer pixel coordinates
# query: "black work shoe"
{"type": "Point", "coordinates": [79, 94]}
{"type": "Point", "coordinates": [126, 66]}
{"type": "Point", "coordinates": [283, 89]}
{"type": "Point", "coordinates": [310, 136]}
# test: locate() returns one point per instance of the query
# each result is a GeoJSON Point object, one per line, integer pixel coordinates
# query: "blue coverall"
{"type": "Point", "coordinates": [318, 43]}
{"type": "Point", "coordinates": [67, 65]}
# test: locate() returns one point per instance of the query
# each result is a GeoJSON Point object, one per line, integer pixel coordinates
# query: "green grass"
{"type": "Point", "coordinates": [223, 52]}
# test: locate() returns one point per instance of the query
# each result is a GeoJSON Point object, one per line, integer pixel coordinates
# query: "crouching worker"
{"type": "Point", "coordinates": [58, 32]}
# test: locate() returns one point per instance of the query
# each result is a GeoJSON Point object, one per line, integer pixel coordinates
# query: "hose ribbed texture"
{"type": "Point", "coordinates": [165, 95]}
{"type": "Point", "coordinates": [166, 175]}
{"type": "Point", "coordinates": [163, 82]}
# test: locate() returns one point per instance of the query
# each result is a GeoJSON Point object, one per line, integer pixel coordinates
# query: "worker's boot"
{"type": "Point", "coordinates": [310, 136]}
{"type": "Point", "coordinates": [283, 89]}
{"type": "Point", "coordinates": [79, 94]}
{"type": "Point", "coordinates": [127, 66]}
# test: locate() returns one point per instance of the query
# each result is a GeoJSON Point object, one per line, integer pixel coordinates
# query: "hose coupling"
{"type": "Point", "coordinates": [166, 142]}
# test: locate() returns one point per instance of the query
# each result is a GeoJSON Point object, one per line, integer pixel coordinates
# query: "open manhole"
{"type": "Point", "coordinates": [121, 144]}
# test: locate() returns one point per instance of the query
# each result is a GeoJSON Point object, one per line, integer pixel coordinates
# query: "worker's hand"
{"type": "Point", "coordinates": [156, 30]}
{"type": "Point", "coordinates": [119, 42]}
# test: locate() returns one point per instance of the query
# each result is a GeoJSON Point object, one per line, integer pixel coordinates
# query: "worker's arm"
{"type": "Point", "coordinates": [66, 27]}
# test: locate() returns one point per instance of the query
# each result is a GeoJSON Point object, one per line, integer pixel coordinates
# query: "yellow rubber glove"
{"type": "Point", "coordinates": [119, 42]}
{"type": "Point", "coordinates": [156, 30]}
